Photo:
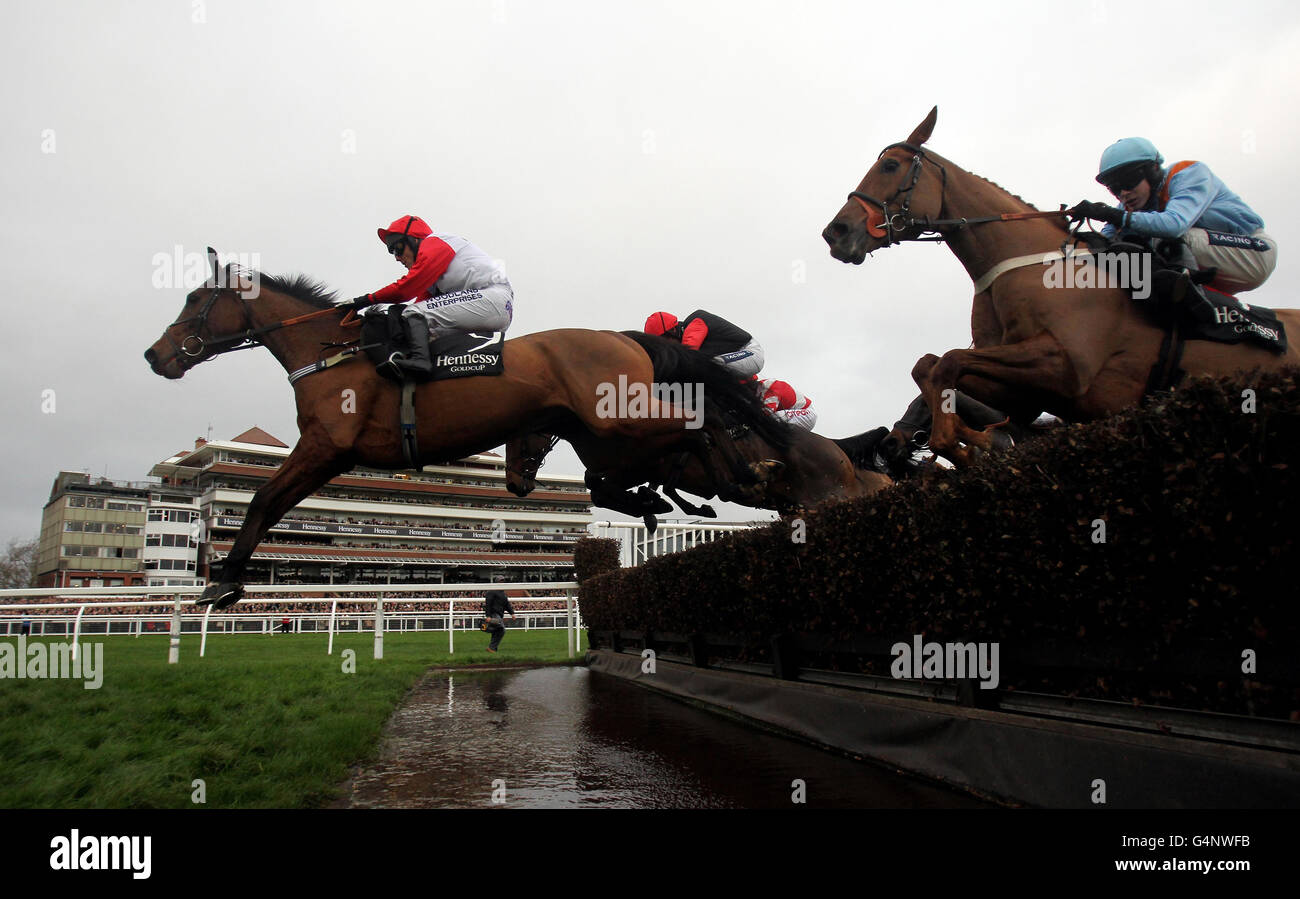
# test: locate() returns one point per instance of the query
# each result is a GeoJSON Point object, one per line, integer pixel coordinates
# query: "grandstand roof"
{"type": "Point", "coordinates": [256, 435]}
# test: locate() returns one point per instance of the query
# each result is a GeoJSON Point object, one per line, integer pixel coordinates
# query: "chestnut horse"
{"type": "Point", "coordinates": [348, 414]}
{"type": "Point", "coordinates": [1079, 353]}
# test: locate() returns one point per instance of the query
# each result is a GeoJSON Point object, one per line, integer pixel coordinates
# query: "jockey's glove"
{"type": "Point", "coordinates": [1101, 212]}
{"type": "Point", "coordinates": [360, 302]}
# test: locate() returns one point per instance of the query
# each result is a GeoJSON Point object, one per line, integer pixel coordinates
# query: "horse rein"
{"type": "Point", "coordinates": [242, 340]}
{"type": "Point", "coordinates": [887, 225]}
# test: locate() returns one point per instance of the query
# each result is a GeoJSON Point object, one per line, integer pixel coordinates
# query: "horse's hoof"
{"type": "Point", "coordinates": [221, 596]}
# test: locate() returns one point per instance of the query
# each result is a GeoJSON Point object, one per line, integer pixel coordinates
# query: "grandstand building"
{"type": "Point", "coordinates": [452, 523]}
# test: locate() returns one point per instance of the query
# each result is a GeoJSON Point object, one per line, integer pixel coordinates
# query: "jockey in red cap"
{"type": "Point", "coordinates": [455, 286]}
{"type": "Point", "coordinates": [713, 335]}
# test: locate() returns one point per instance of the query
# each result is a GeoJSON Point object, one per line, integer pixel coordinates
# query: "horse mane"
{"type": "Point", "coordinates": [301, 287]}
{"type": "Point", "coordinates": [1061, 224]}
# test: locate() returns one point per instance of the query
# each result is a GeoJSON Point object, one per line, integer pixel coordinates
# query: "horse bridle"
{"type": "Point", "coordinates": [531, 463]}
{"type": "Point", "coordinates": [184, 352]}
{"type": "Point", "coordinates": [227, 343]}
{"type": "Point", "coordinates": [902, 220]}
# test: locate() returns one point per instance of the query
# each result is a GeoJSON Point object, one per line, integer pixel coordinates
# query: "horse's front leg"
{"type": "Point", "coordinates": [309, 467]}
{"type": "Point", "coordinates": [1038, 365]}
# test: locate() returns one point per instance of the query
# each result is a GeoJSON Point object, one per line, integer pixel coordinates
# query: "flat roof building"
{"type": "Point", "coordinates": [92, 532]}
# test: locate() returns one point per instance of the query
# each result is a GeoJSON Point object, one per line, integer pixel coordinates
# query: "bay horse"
{"type": "Point", "coordinates": [911, 433]}
{"type": "Point", "coordinates": [1080, 353]}
{"type": "Point", "coordinates": [348, 414]}
{"type": "Point", "coordinates": [811, 472]}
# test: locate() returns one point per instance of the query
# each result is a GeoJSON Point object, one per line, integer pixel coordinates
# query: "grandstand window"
{"type": "Point", "coordinates": [72, 526]}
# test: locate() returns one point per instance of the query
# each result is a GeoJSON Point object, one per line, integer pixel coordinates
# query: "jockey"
{"type": "Point", "coordinates": [455, 286]}
{"type": "Point", "coordinates": [713, 335]}
{"type": "Point", "coordinates": [786, 403]}
{"type": "Point", "coordinates": [1186, 201]}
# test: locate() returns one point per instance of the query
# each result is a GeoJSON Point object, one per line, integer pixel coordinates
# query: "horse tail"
{"type": "Point", "coordinates": [676, 364]}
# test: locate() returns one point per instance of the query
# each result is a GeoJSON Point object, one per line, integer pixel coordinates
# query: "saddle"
{"type": "Point", "coordinates": [390, 342]}
{"type": "Point", "coordinates": [387, 340]}
{"type": "Point", "coordinates": [1181, 295]}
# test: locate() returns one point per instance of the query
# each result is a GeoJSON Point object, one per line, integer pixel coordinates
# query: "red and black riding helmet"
{"type": "Point", "coordinates": [407, 230]}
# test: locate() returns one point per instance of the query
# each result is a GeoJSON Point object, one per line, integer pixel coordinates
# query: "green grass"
{"type": "Point", "coordinates": [264, 721]}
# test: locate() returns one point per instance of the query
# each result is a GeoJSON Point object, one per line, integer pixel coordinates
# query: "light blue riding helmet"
{"type": "Point", "coordinates": [1125, 152]}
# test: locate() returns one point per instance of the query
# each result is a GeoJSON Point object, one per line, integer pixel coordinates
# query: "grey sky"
{"type": "Point", "coordinates": [620, 158]}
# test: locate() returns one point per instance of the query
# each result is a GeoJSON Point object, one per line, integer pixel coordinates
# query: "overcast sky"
{"type": "Point", "coordinates": [620, 158]}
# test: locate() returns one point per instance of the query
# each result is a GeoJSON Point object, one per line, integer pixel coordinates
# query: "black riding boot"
{"type": "Point", "coordinates": [416, 364]}
{"type": "Point", "coordinates": [1182, 285]}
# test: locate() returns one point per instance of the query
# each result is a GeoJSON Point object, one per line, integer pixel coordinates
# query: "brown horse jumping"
{"type": "Point", "coordinates": [812, 471]}
{"type": "Point", "coordinates": [1078, 352]}
{"type": "Point", "coordinates": [348, 414]}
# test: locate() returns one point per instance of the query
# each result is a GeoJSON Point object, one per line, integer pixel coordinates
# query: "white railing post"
{"type": "Point", "coordinates": [379, 627]}
{"type": "Point", "coordinates": [333, 608]}
{"type": "Point", "coordinates": [451, 626]}
{"type": "Point", "coordinates": [568, 627]}
{"type": "Point", "coordinates": [203, 639]}
{"type": "Point", "coordinates": [76, 632]}
{"type": "Point", "coordinates": [174, 649]}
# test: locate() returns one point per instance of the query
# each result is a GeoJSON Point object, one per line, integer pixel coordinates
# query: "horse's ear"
{"type": "Point", "coordinates": [922, 132]}
{"type": "Point", "coordinates": [214, 262]}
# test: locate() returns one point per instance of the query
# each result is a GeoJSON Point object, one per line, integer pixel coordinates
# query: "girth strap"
{"type": "Point", "coordinates": [322, 364]}
{"type": "Point", "coordinates": [1167, 372]}
{"type": "Point", "coordinates": [410, 448]}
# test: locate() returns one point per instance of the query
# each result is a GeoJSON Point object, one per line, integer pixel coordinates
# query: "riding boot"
{"type": "Point", "coordinates": [1181, 286]}
{"type": "Point", "coordinates": [416, 364]}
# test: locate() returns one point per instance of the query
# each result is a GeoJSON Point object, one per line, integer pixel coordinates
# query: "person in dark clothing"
{"type": "Point", "coordinates": [495, 606]}
{"type": "Point", "coordinates": [712, 335]}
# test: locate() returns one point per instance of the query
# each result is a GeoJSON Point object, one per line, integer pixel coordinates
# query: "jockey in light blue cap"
{"type": "Point", "coordinates": [1184, 202]}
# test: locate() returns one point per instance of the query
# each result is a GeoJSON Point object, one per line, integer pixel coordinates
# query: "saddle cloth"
{"type": "Point", "coordinates": [454, 355]}
{"type": "Point", "coordinates": [1226, 319]}
{"type": "Point", "coordinates": [469, 355]}
{"type": "Point", "coordinates": [1233, 321]}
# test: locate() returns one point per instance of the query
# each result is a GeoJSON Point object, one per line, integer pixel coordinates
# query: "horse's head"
{"type": "Point", "coordinates": [898, 193]}
{"type": "Point", "coordinates": [215, 318]}
{"type": "Point", "coordinates": [524, 455]}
